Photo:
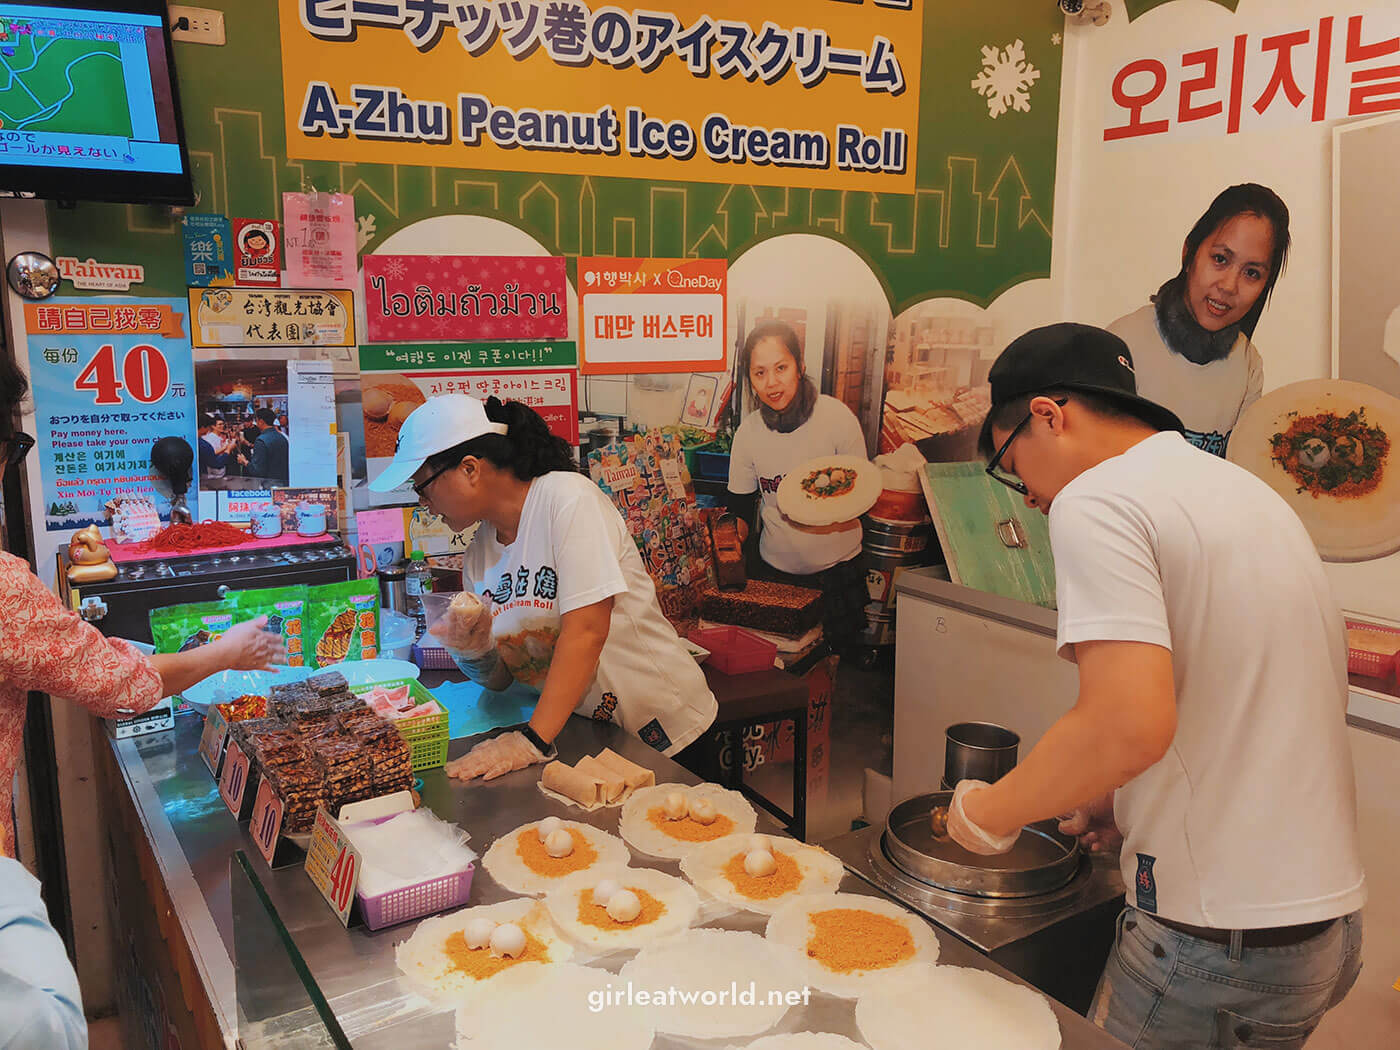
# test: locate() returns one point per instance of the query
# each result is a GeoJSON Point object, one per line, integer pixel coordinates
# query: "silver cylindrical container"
{"type": "Point", "coordinates": [978, 751]}
{"type": "Point", "coordinates": [393, 590]}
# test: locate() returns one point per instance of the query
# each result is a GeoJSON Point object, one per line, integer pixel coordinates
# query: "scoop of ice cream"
{"type": "Point", "coordinates": [377, 403]}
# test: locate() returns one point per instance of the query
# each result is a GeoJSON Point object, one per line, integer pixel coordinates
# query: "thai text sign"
{"type": "Point", "coordinates": [415, 297]}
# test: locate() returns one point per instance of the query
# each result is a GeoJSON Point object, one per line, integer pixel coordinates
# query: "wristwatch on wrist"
{"type": "Point", "coordinates": [548, 750]}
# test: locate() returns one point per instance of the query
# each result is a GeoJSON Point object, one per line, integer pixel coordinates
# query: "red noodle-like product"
{"type": "Point", "coordinates": [196, 537]}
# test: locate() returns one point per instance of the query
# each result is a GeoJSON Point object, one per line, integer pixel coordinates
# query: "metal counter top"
{"type": "Point", "coordinates": [194, 837]}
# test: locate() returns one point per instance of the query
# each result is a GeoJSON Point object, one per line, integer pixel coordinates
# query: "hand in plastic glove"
{"type": "Point", "coordinates": [465, 628]}
{"type": "Point", "coordinates": [1094, 826]}
{"type": "Point", "coordinates": [249, 647]}
{"type": "Point", "coordinates": [495, 757]}
{"type": "Point", "coordinates": [967, 834]}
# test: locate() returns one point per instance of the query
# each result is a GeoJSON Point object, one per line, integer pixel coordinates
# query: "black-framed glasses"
{"type": "Point", "coordinates": [1011, 481]}
{"type": "Point", "coordinates": [16, 446]}
{"type": "Point", "coordinates": [420, 488]}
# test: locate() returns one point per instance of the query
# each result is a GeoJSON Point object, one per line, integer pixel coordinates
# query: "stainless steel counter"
{"type": "Point", "coordinates": [193, 837]}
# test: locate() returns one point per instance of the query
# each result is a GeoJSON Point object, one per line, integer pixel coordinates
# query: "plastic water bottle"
{"type": "Point", "coordinates": [418, 581]}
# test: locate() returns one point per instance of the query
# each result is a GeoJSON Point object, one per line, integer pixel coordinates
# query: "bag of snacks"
{"type": "Point", "coordinates": [285, 609]}
{"type": "Point", "coordinates": [179, 628]}
{"type": "Point", "coordinates": [342, 622]}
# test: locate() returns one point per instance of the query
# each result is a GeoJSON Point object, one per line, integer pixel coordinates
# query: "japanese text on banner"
{"type": "Point", "coordinates": [789, 102]}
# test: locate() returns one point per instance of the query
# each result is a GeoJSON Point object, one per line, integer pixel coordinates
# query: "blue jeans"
{"type": "Point", "coordinates": [1165, 990]}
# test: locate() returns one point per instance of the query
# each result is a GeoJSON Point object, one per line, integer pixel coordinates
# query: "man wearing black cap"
{"type": "Point", "coordinates": [1209, 728]}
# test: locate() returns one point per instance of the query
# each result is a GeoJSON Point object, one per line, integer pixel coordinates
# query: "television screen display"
{"type": "Point", "coordinates": [88, 105]}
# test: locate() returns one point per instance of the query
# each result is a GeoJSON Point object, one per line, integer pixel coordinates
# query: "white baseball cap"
{"type": "Point", "coordinates": [435, 426]}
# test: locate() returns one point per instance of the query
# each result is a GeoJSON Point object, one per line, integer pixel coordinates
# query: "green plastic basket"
{"type": "Point", "coordinates": [427, 735]}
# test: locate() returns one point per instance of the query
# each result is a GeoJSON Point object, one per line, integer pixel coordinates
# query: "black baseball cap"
{"type": "Point", "coordinates": [1071, 357]}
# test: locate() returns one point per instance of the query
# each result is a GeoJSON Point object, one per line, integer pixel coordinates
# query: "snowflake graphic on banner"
{"type": "Point", "coordinates": [395, 269]}
{"type": "Point", "coordinates": [364, 231]}
{"type": "Point", "coordinates": [1006, 79]}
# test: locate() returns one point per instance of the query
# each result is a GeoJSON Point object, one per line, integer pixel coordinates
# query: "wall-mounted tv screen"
{"type": "Point", "coordinates": [88, 106]}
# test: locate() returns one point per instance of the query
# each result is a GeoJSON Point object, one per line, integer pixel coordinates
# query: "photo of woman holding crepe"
{"type": "Point", "coordinates": [794, 424]}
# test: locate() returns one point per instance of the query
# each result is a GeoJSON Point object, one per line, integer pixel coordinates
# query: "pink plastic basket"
{"type": "Point", "coordinates": [414, 902]}
{"type": "Point", "coordinates": [1365, 662]}
{"type": "Point", "coordinates": [418, 900]}
{"type": "Point", "coordinates": [734, 650]}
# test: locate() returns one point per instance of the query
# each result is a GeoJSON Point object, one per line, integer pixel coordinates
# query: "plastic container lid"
{"type": "Point", "coordinates": [416, 556]}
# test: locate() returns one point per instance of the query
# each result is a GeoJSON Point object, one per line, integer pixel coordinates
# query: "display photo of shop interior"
{"type": "Point", "coordinates": [936, 392]}
{"type": "Point", "coordinates": [244, 421]}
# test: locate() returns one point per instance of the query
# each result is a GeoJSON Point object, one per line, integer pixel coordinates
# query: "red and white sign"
{"type": "Point", "coordinates": [553, 393]}
{"type": "Point", "coordinates": [410, 298]}
{"type": "Point", "coordinates": [319, 230]}
{"type": "Point", "coordinates": [652, 315]}
{"type": "Point", "coordinates": [1337, 66]}
{"type": "Point", "coordinates": [257, 253]}
{"type": "Point", "coordinates": [91, 275]}
{"type": "Point", "coordinates": [333, 864]}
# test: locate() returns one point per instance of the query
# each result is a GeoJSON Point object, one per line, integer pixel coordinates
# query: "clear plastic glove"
{"type": "Point", "coordinates": [249, 647]}
{"type": "Point", "coordinates": [1094, 826]}
{"type": "Point", "coordinates": [495, 757]}
{"type": "Point", "coordinates": [464, 626]}
{"type": "Point", "coordinates": [462, 623]}
{"type": "Point", "coordinates": [967, 834]}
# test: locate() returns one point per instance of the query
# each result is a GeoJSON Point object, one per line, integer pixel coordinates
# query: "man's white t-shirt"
{"type": "Point", "coordinates": [572, 549]}
{"type": "Point", "coordinates": [1209, 398]}
{"type": "Point", "coordinates": [759, 460]}
{"type": "Point", "coordinates": [1249, 820]}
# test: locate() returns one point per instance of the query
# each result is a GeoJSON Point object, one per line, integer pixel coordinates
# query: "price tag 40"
{"type": "Point", "coordinates": [333, 864]}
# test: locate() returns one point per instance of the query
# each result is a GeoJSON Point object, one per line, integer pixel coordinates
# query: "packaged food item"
{"type": "Point", "coordinates": [179, 628]}
{"type": "Point", "coordinates": [342, 622]}
{"type": "Point", "coordinates": [285, 609]}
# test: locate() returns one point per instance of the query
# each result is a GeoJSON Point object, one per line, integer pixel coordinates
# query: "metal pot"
{"type": "Point", "coordinates": [1041, 861]}
{"type": "Point", "coordinates": [978, 751]}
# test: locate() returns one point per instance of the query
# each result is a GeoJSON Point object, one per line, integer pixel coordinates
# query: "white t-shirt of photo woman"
{"type": "Point", "coordinates": [761, 458]}
{"type": "Point", "coordinates": [572, 550]}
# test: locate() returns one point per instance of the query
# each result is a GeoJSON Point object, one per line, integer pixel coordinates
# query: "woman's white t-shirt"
{"type": "Point", "coordinates": [759, 460]}
{"type": "Point", "coordinates": [1249, 820]}
{"type": "Point", "coordinates": [1209, 398]}
{"type": "Point", "coordinates": [571, 550]}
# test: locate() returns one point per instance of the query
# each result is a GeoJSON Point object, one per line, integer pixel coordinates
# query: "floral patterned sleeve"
{"type": "Point", "coordinates": [50, 649]}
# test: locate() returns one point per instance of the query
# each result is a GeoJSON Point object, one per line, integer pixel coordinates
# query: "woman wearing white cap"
{"type": "Point", "coordinates": [573, 611]}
